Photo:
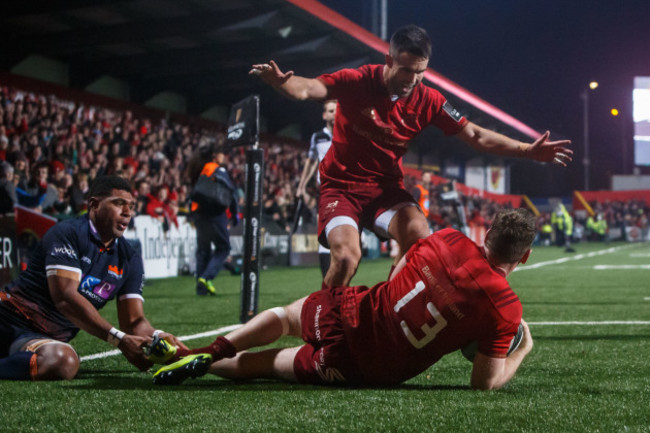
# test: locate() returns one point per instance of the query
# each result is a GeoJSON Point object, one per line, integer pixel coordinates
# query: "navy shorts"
{"type": "Point", "coordinates": [14, 333]}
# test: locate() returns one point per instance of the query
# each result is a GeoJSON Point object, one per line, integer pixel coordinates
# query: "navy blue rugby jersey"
{"type": "Point", "coordinates": [103, 274]}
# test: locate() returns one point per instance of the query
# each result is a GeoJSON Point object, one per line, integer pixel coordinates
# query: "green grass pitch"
{"type": "Point", "coordinates": [592, 376]}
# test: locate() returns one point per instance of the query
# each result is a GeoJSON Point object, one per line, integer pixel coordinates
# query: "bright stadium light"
{"type": "Point", "coordinates": [614, 112]}
{"type": "Point", "coordinates": [593, 85]}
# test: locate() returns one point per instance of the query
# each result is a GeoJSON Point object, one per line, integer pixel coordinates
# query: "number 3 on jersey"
{"type": "Point", "coordinates": [428, 330]}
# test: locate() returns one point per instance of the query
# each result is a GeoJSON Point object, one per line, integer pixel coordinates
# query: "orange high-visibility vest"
{"type": "Point", "coordinates": [424, 200]}
{"type": "Point", "coordinates": [207, 170]}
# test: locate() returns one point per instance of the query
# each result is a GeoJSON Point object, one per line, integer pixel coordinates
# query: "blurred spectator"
{"type": "Point", "coordinates": [158, 207]}
{"type": "Point", "coordinates": [72, 138]}
{"type": "Point", "coordinates": [563, 225]}
{"type": "Point", "coordinates": [7, 188]}
{"type": "Point", "coordinates": [142, 191]}
{"type": "Point", "coordinates": [77, 193]}
{"type": "Point", "coordinates": [597, 228]}
{"type": "Point", "coordinates": [61, 207]}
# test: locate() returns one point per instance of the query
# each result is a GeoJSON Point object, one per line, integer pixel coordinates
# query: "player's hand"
{"type": "Point", "coordinates": [173, 340]}
{"type": "Point", "coordinates": [300, 193]}
{"type": "Point", "coordinates": [527, 339]}
{"type": "Point", "coordinates": [131, 347]}
{"type": "Point", "coordinates": [270, 73]}
{"type": "Point", "coordinates": [556, 152]}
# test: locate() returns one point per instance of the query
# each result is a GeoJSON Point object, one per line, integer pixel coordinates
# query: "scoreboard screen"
{"type": "Point", "coordinates": [641, 115]}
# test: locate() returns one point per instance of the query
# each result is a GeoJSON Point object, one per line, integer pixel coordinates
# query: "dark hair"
{"type": "Point", "coordinates": [5, 169]}
{"type": "Point", "coordinates": [103, 186]}
{"type": "Point", "coordinates": [411, 39]}
{"type": "Point", "coordinates": [195, 165]}
{"type": "Point", "coordinates": [204, 154]}
{"type": "Point", "coordinates": [511, 235]}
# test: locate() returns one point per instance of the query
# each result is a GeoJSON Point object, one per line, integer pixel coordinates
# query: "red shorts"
{"type": "Point", "coordinates": [326, 358]}
{"type": "Point", "coordinates": [364, 206]}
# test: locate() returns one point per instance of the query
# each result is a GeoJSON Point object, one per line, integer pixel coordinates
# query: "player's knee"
{"type": "Point", "coordinates": [346, 267]}
{"type": "Point", "coordinates": [56, 361]}
{"type": "Point", "coordinates": [347, 257]}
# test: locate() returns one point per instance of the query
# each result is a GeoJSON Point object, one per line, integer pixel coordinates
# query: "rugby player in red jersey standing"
{"type": "Point", "coordinates": [380, 109]}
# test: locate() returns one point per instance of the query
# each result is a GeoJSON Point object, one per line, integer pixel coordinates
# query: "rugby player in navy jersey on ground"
{"type": "Point", "coordinates": [76, 269]}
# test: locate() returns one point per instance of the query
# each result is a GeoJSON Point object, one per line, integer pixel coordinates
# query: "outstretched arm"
{"type": "Point", "coordinates": [541, 149]}
{"type": "Point", "coordinates": [493, 373]}
{"type": "Point", "coordinates": [290, 85]}
{"type": "Point", "coordinates": [82, 313]}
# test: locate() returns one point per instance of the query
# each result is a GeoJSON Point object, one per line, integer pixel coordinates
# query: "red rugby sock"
{"type": "Point", "coordinates": [219, 349]}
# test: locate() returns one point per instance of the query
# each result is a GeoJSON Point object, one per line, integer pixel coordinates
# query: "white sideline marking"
{"type": "Point", "coordinates": [604, 322]}
{"type": "Point", "coordinates": [604, 267]}
{"type": "Point", "coordinates": [223, 330]}
{"type": "Point", "coordinates": [639, 255]}
{"type": "Point", "coordinates": [576, 257]}
{"type": "Point", "coordinates": [646, 299]}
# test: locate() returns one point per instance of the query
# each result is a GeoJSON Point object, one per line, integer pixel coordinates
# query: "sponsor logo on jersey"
{"type": "Point", "coordinates": [89, 282]}
{"type": "Point", "coordinates": [317, 323]}
{"type": "Point", "coordinates": [333, 204]}
{"type": "Point", "coordinates": [64, 250]}
{"type": "Point", "coordinates": [328, 374]}
{"type": "Point", "coordinates": [115, 271]}
{"type": "Point", "coordinates": [86, 259]}
{"type": "Point", "coordinates": [451, 111]}
{"type": "Point", "coordinates": [96, 289]}
{"type": "Point", "coordinates": [104, 290]}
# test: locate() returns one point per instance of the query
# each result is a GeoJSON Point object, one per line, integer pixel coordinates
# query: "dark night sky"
{"type": "Point", "coordinates": [533, 60]}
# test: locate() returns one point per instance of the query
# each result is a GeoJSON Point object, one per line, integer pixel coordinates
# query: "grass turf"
{"type": "Point", "coordinates": [577, 378]}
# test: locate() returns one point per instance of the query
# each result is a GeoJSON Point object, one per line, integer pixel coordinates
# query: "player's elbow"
{"type": "Point", "coordinates": [311, 89]}
{"type": "Point", "coordinates": [298, 96]}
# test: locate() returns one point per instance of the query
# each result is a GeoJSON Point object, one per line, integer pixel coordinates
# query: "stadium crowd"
{"type": "Point", "coordinates": [52, 149]}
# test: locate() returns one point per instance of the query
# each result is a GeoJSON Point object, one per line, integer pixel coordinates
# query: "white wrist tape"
{"type": "Point", "coordinates": [115, 336]}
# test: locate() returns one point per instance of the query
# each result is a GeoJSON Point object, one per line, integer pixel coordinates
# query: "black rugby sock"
{"type": "Point", "coordinates": [18, 366]}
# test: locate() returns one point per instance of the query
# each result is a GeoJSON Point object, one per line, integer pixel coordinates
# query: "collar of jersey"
{"type": "Point", "coordinates": [94, 234]}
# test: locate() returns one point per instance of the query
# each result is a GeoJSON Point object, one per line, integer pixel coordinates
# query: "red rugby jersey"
{"type": "Point", "coordinates": [371, 132]}
{"type": "Point", "coordinates": [444, 298]}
